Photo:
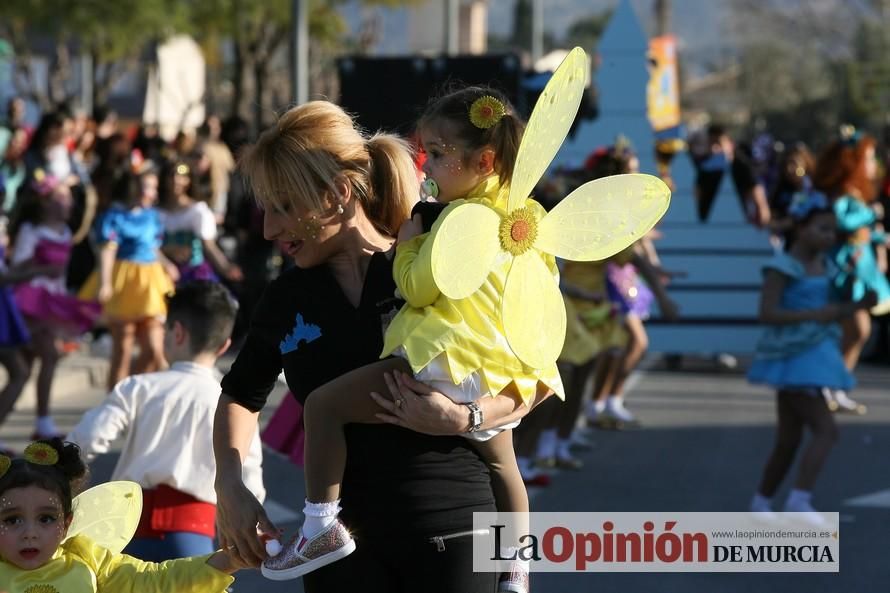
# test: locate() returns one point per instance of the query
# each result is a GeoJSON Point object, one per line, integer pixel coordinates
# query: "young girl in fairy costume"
{"type": "Point", "coordinates": [459, 346]}
{"type": "Point", "coordinates": [42, 238]}
{"type": "Point", "coordinates": [38, 556]}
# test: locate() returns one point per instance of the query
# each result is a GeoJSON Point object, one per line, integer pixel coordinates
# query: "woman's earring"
{"type": "Point", "coordinates": [339, 208]}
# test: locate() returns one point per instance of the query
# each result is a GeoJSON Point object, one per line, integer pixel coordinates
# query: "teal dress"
{"type": "Point", "coordinates": [806, 354]}
{"type": "Point", "coordinates": [856, 263]}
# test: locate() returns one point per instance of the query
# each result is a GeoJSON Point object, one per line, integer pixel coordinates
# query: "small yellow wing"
{"type": "Point", "coordinates": [548, 125]}
{"type": "Point", "coordinates": [603, 216]}
{"type": "Point", "coordinates": [533, 312]}
{"type": "Point", "coordinates": [108, 514]}
{"type": "Point", "coordinates": [465, 246]}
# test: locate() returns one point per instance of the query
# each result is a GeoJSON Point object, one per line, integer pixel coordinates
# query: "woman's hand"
{"type": "Point", "coordinates": [418, 407]}
{"type": "Point", "coordinates": [241, 524]}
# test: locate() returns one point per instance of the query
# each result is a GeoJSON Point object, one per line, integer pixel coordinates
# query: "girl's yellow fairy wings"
{"type": "Point", "coordinates": [595, 221]}
{"type": "Point", "coordinates": [108, 514]}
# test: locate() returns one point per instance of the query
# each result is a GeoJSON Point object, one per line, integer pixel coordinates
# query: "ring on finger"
{"type": "Point", "coordinates": [399, 401]}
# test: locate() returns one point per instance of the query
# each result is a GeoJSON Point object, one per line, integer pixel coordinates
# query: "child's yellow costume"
{"type": "Point", "coordinates": [482, 286]}
{"type": "Point", "coordinates": [90, 560]}
{"type": "Point", "coordinates": [468, 331]}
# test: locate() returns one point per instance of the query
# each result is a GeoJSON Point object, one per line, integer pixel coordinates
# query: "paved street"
{"type": "Point", "coordinates": [705, 439]}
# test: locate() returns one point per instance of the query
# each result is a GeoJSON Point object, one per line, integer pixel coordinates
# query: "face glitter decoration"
{"type": "Point", "coordinates": [32, 526]}
{"type": "Point", "coordinates": [448, 164]}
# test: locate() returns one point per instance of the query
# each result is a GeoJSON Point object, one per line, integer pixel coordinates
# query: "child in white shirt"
{"type": "Point", "coordinates": [167, 420]}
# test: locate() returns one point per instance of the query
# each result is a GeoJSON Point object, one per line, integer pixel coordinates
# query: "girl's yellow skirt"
{"type": "Point", "coordinates": [139, 291]}
{"type": "Point", "coordinates": [590, 333]}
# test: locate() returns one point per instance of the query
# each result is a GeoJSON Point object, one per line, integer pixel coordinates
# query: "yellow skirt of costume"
{"type": "Point", "coordinates": [592, 327]}
{"type": "Point", "coordinates": [468, 332]}
{"type": "Point", "coordinates": [139, 291]}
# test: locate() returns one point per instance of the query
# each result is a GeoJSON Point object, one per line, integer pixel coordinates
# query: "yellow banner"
{"type": "Point", "coordinates": [663, 92]}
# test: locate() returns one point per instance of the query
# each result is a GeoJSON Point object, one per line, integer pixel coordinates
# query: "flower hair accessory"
{"type": "Point", "coordinates": [41, 454]}
{"type": "Point", "coordinates": [43, 182]}
{"type": "Point", "coordinates": [850, 135]}
{"type": "Point", "coordinates": [804, 202]}
{"type": "Point", "coordinates": [486, 111]}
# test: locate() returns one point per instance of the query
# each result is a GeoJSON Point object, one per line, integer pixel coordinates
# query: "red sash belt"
{"type": "Point", "coordinates": [166, 509]}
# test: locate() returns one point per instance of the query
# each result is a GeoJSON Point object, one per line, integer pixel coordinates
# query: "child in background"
{"type": "Point", "coordinates": [133, 276]}
{"type": "Point", "coordinates": [190, 232]}
{"type": "Point", "coordinates": [799, 354]}
{"type": "Point", "coordinates": [167, 420]}
{"type": "Point", "coordinates": [35, 514]}
{"type": "Point", "coordinates": [41, 237]}
{"type": "Point", "coordinates": [631, 299]}
{"type": "Point", "coordinates": [13, 332]}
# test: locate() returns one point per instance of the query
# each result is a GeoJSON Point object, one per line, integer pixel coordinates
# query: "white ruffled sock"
{"type": "Point", "coordinates": [318, 516]}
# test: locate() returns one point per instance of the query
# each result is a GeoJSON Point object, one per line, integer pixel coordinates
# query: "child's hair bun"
{"type": "Point", "coordinates": [70, 463]}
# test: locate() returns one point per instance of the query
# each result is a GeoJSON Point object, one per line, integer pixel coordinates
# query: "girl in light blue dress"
{"type": "Point", "coordinates": [847, 172]}
{"type": "Point", "coordinates": [799, 353]}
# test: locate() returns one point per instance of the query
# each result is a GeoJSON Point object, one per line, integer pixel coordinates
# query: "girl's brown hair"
{"type": "Point", "coordinates": [300, 159]}
{"type": "Point", "coordinates": [65, 478]}
{"type": "Point", "coordinates": [840, 169]}
{"type": "Point", "coordinates": [503, 137]}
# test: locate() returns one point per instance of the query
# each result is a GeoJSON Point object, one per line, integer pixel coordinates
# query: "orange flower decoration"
{"type": "Point", "coordinates": [5, 462]}
{"type": "Point", "coordinates": [41, 454]}
{"type": "Point", "coordinates": [486, 111]}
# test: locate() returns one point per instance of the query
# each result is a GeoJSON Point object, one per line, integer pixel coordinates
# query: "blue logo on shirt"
{"type": "Point", "coordinates": [302, 332]}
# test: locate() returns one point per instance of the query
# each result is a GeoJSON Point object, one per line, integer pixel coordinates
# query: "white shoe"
{"type": "Point", "coordinates": [805, 513]}
{"type": "Point", "coordinates": [761, 509]}
{"type": "Point", "coordinates": [616, 411]}
{"type": "Point", "coordinates": [302, 554]}
{"type": "Point", "coordinates": [760, 504]}
{"type": "Point", "coordinates": [726, 361]}
{"type": "Point", "coordinates": [843, 403]}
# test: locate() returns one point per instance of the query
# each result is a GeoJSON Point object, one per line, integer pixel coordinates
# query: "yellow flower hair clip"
{"type": "Point", "coordinates": [41, 454]}
{"type": "Point", "coordinates": [5, 462]}
{"type": "Point", "coordinates": [486, 111]}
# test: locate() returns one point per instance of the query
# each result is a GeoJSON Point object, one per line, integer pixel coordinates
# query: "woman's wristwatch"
{"type": "Point", "coordinates": [475, 416]}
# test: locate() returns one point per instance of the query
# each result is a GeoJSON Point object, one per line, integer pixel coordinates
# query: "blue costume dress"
{"type": "Point", "coordinates": [138, 279]}
{"type": "Point", "coordinates": [855, 259]}
{"type": "Point", "coordinates": [806, 354]}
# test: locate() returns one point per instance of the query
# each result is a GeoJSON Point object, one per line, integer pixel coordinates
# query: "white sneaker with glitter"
{"type": "Point", "coordinates": [302, 555]}
{"type": "Point", "coordinates": [515, 581]}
